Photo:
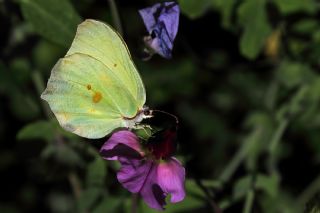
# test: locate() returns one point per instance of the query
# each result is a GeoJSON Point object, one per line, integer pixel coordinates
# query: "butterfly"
{"type": "Point", "coordinates": [95, 88]}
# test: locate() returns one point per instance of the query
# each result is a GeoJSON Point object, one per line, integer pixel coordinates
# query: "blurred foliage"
{"type": "Point", "coordinates": [244, 81]}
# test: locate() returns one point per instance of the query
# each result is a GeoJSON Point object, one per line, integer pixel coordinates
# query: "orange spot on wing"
{"type": "Point", "coordinates": [89, 87]}
{"type": "Point", "coordinates": [97, 97]}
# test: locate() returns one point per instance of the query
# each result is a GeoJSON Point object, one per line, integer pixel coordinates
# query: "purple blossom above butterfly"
{"type": "Point", "coordinates": [161, 21]}
{"type": "Point", "coordinates": [149, 170]}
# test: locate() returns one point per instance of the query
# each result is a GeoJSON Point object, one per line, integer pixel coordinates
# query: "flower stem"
{"type": "Point", "coordinates": [75, 184]}
{"type": "Point", "coordinates": [134, 203]}
{"type": "Point", "coordinates": [237, 159]}
{"type": "Point", "coordinates": [115, 16]}
{"type": "Point", "coordinates": [274, 143]}
{"type": "Point", "coordinates": [310, 191]}
{"type": "Point", "coordinates": [213, 204]}
{"type": "Point", "coordinates": [233, 165]}
{"type": "Point", "coordinates": [277, 135]}
{"type": "Point", "coordinates": [40, 87]}
{"type": "Point", "coordinates": [249, 201]}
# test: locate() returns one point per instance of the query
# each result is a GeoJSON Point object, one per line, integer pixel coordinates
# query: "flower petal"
{"type": "Point", "coordinates": [161, 43]}
{"type": "Point", "coordinates": [170, 18]}
{"type": "Point", "coordinates": [171, 176]}
{"type": "Point", "coordinates": [168, 13]}
{"type": "Point", "coordinates": [140, 176]}
{"type": "Point", "coordinates": [147, 16]}
{"type": "Point", "coordinates": [121, 143]}
{"type": "Point", "coordinates": [161, 21]}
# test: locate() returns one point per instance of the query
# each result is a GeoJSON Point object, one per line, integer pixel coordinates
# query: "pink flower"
{"type": "Point", "coordinates": [148, 170]}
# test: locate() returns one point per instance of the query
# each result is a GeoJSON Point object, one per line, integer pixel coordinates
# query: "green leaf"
{"type": "Point", "coordinates": [62, 154]}
{"type": "Point", "coordinates": [43, 130]}
{"type": "Point", "coordinates": [193, 189]}
{"type": "Point", "coordinates": [6, 81]}
{"type": "Point", "coordinates": [88, 198]}
{"type": "Point", "coordinates": [52, 19]}
{"type": "Point", "coordinates": [268, 184]}
{"type": "Point", "coordinates": [258, 119]}
{"type": "Point", "coordinates": [194, 9]}
{"type": "Point", "coordinates": [252, 16]}
{"type": "Point", "coordinates": [68, 156]}
{"type": "Point", "coordinates": [20, 70]}
{"type": "Point", "coordinates": [291, 6]}
{"type": "Point", "coordinates": [45, 54]}
{"type": "Point", "coordinates": [23, 105]}
{"type": "Point", "coordinates": [226, 8]}
{"type": "Point", "coordinates": [241, 187]}
{"type": "Point", "coordinates": [292, 74]}
{"type": "Point", "coordinates": [96, 172]}
{"type": "Point", "coordinates": [306, 26]}
{"type": "Point", "coordinates": [60, 202]}
{"type": "Point", "coordinates": [108, 205]}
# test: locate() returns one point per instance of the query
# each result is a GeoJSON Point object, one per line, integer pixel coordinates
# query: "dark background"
{"type": "Point", "coordinates": [244, 82]}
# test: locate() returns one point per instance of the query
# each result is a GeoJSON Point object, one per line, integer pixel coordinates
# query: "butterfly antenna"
{"type": "Point", "coordinates": [167, 113]}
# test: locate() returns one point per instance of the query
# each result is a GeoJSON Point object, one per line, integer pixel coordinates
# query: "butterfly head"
{"type": "Point", "coordinates": [142, 114]}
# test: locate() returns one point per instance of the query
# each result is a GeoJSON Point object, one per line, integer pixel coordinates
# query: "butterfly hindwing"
{"type": "Point", "coordinates": [87, 97]}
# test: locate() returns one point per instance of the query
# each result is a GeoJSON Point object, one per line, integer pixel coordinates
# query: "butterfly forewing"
{"type": "Point", "coordinates": [101, 42]}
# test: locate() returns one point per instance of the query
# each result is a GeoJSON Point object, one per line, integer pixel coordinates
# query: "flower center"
{"type": "Point", "coordinates": [163, 143]}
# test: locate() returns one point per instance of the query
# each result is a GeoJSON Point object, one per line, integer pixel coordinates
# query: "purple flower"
{"type": "Point", "coordinates": [148, 170]}
{"type": "Point", "coordinates": [161, 21]}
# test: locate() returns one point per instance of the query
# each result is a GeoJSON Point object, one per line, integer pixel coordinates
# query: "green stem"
{"type": "Point", "coordinates": [40, 87]}
{"type": "Point", "coordinates": [115, 16]}
{"type": "Point", "coordinates": [134, 203]}
{"type": "Point", "coordinates": [249, 201]}
{"type": "Point", "coordinates": [309, 192]}
{"type": "Point", "coordinates": [75, 184]}
{"type": "Point", "coordinates": [275, 142]}
{"type": "Point", "coordinates": [271, 95]}
{"type": "Point", "coordinates": [233, 164]}
{"type": "Point", "coordinates": [213, 204]}
{"type": "Point", "coordinates": [238, 158]}
{"type": "Point", "coordinates": [277, 135]}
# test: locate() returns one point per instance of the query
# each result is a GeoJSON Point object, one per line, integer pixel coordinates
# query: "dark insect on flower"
{"type": "Point", "coordinates": [163, 143]}
{"type": "Point", "coordinates": [161, 21]}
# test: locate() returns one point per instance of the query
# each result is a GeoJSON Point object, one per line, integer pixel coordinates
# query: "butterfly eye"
{"type": "Point", "coordinates": [146, 111]}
